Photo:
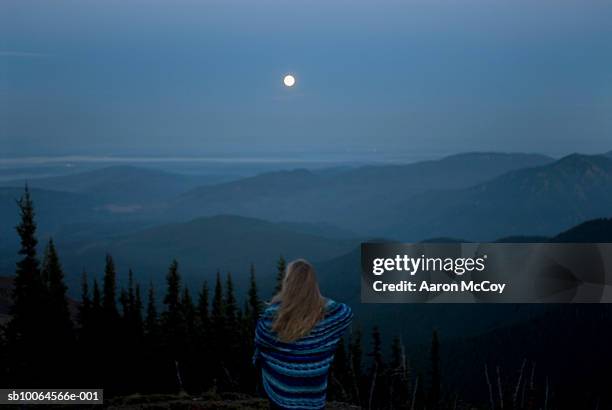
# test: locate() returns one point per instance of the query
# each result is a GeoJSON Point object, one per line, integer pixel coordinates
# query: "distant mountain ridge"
{"type": "Point", "coordinates": [534, 201]}
{"type": "Point", "coordinates": [473, 196]}
{"type": "Point", "coordinates": [476, 196]}
{"type": "Point", "coordinates": [356, 199]}
{"type": "Point", "coordinates": [121, 184]}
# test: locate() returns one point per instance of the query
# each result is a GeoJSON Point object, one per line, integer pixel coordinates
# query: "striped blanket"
{"type": "Point", "coordinates": [295, 374]}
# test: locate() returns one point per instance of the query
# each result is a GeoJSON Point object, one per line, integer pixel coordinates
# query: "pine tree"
{"type": "Point", "coordinates": [26, 329]}
{"type": "Point", "coordinates": [156, 369]}
{"type": "Point", "coordinates": [96, 299]}
{"type": "Point", "coordinates": [151, 320]}
{"type": "Point", "coordinates": [96, 313]}
{"type": "Point", "coordinates": [137, 322]}
{"type": "Point", "coordinates": [131, 297]}
{"type": "Point", "coordinates": [191, 372]}
{"type": "Point", "coordinates": [240, 319]}
{"type": "Point", "coordinates": [218, 309]}
{"type": "Point", "coordinates": [109, 302]}
{"type": "Point", "coordinates": [28, 286]}
{"type": "Point", "coordinates": [110, 334]}
{"type": "Point", "coordinates": [231, 333]}
{"type": "Point", "coordinates": [231, 307]}
{"type": "Point", "coordinates": [281, 266]}
{"type": "Point", "coordinates": [125, 355]}
{"type": "Point", "coordinates": [204, 334]}
{"type": "Point", "coordinates": [92, 334]}
{"type": "Point", "coordinates": [58, 317]}
{"type": "Point", "coordinates": [203, 308]}
{"type": "Point", "coordinates": [217, 334]}
{"type": "Point", "coordinates": [126, 299]}
{"type": "Point", "coordinates": [254, 303]}
{"type": "Point", "coordinates": [173, 280]}
{"type": "Point", "coordinates": [189, 313]}
{"type": "Point", "coordinates": [131, 303]}
{"type": "Point", "coordinates": [174, 334]}
{"type": "Point", "coordinates": [134, 356]}
{"type": "Point", "coordinates": [172, 319]}
{"type": "Point", "coordinates": [125, 306]}
{"type": "Point", "coordinates": [434, 381]}
{"type": "Point", "coordinates": [85, 307]}
{"type": "Point", "coordinates": [58, 326]}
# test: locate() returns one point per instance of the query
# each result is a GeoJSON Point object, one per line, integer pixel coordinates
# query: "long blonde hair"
{"type": "Point", "coordinates": [301, 303]}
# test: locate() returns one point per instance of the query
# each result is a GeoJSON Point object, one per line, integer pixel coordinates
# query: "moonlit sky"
{"type": "Point", "coordinates": [373, 78]}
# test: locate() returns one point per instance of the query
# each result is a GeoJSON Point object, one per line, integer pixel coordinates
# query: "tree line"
{"type": "Point", "coordinates": [124, 341]}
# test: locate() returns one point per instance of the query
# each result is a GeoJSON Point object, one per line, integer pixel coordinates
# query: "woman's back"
{"type": "Point", "coordinates": [295, 373]}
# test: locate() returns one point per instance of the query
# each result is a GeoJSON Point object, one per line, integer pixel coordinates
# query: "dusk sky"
{"type": "Point", "coordinates": [189, 78]}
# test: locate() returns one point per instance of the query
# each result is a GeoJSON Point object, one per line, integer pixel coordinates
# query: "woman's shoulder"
{"type": "Point", "coordinates": [270, 310]}
{"type": "Point", "coordinates": [334, 308]}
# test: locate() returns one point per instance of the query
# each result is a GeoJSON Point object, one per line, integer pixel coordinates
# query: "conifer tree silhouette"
{"type": "Point", "coordinates": [151, 324]}
{"type": "Point", "coordinates": [218, 309]}
{"type": "Point", "coordinates": [173, 320]}
{"type": "Point", "coordinates": [85, 306]}
{"type": "Point", "coordinates": [109, 296]}
{"type": "Point", "coordinates": [26, 330]}
{"type": "Point", "coordinates": [255, 305]}
{"type": "Point", "coordinates": [137, 321]}
{"type": "Point", "coordinates": [231, 347]}
{"type": "Point", "coordinates": [281, 266]}
{"type": "Point", "coordinates": [217, 335]}
{"type": "Point", "coordinates": [231, 308]}
{"type": "Point", "coordinates": [58, 323]}
{"type": "Point", "coordinates": [204, 336]}
{"type": "Point", "coordinates": [203, 310]}
{"type": "Point", "coordinates": [189, 313]}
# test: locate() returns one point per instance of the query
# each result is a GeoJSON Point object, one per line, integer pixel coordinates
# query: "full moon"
{"type": "Point", "coordinates": [289, 80]}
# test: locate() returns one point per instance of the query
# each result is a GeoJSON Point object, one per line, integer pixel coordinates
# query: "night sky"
{"type": "Point", "coordinates": [204, 78]}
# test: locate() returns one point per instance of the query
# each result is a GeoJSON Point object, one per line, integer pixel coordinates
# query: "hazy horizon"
{"type": "Point", "coordinates": [331, 158]}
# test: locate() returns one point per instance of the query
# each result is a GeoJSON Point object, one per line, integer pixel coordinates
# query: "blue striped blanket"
{"type": "Point", "coordinates": [295, 374]}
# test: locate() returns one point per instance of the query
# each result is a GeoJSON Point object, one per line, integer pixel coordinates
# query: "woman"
{"type": "Point", "coordinates": [296, 338]}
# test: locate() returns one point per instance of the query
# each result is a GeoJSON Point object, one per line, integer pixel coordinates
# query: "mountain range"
{"type": "Point", "coordinates": [359, 199]}
{"type": "Point", "coordinates": [120, 185]}
{"type": "Point", "coordinates": [475, 196]}
{"type": "Point", "coordinates": [535, 201]}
